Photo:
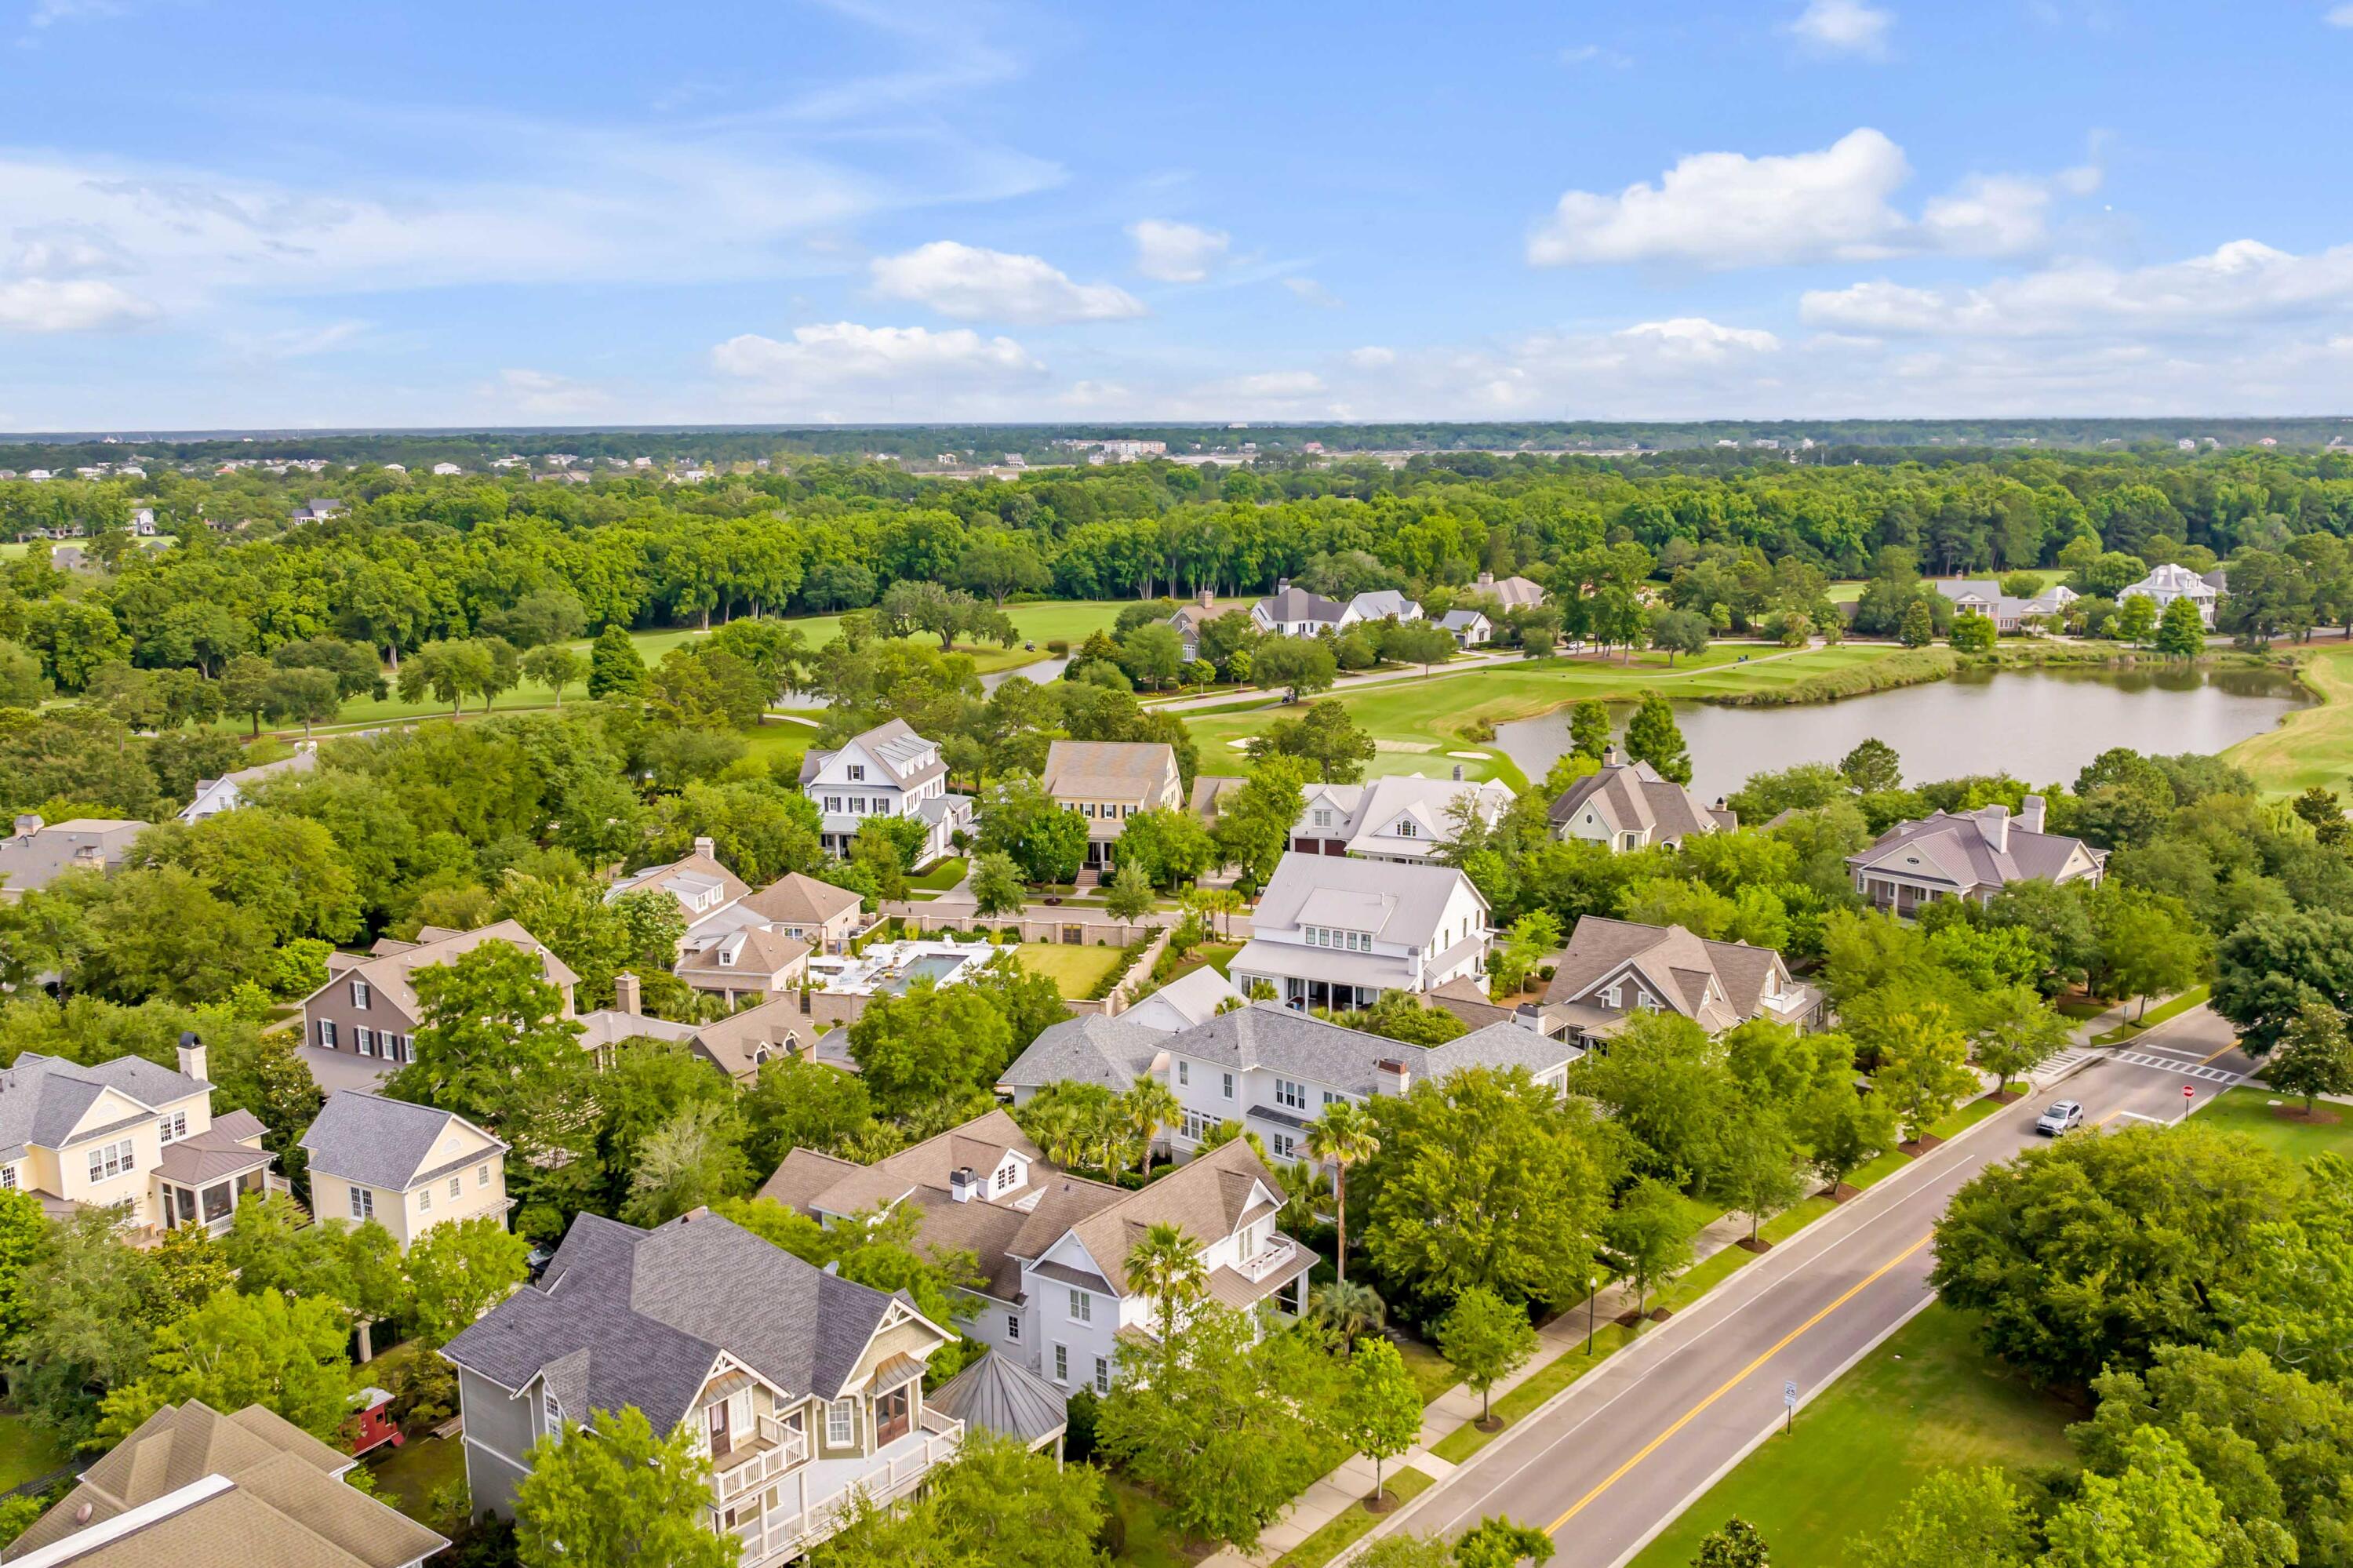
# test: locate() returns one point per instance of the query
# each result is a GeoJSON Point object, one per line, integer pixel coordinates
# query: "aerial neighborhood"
{"type": "Point", "coordinates": [1093, 1069]}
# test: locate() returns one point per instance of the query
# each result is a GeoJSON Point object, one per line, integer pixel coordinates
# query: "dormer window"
{"type": "Point", "coordinates": [550, 1411]}
{"type": "Point", "coordinates": [1404, 830]}
{"type": "Point", "coordinates": [857, 773]}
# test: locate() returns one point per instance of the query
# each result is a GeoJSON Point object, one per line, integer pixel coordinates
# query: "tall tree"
{"type": "Point", "coordinates": [617, 1495]}
{"type": "Point", "coordinates": [1955, 1518]}
{"type": "Point", "coordinates": [268, 1349]}
{"type": "Point", "coordinates": [1343, 1136]}
{"type": "Point", "coordinates": [1649, 1236]}
{"type": "Point", "coordinates": [1380, 1410]}
{"type": "Point", "coordinates": [1487, 1338]}
{"type": "Point", "coordinates": [1653, 737]}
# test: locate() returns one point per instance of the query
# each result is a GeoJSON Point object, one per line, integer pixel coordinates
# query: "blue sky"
{"type": "Point", "coordinates": [216, 215]}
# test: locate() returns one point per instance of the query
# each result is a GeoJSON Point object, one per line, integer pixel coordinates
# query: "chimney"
{"type": "Point", "coordinates": [960, 1184]}
{"type": "Point", "coordinates": [706, 846]}
{"type": "Point", "coordinates": [192, 1057]}
{"type": "Point", "coordinates": [1609, 756]}
{"type": "Point", "coordinates": [1282, 585]}
{"type": "Point", "coordinates": [699, 1212]}
{"type": "Point", "coordinates": [1208, 599]}
{"type": "Point", "coordinates": [1458, 773]}
{"type": "Point", "coordinates": [1392, 1077]}
{"type": "Point", "coordinates": [1993, 822]}
{"type": "Point", "coordinates": [27, 824]}
{"type": "Point", "coordinates": [2030, 815]}
{"type": "Point", "coordinates": [1486, 579]}
{"type": "Point", "coordinates": [625, 993]}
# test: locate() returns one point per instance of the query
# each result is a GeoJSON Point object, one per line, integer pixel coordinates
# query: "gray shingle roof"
{"type": "Point", "coordinates": [1631, 796]}
{"type": "Point", "coordinates": [1960, 849]}
{"type": "Point", "coordinates": [1297, 604]}
{"type": "Point", "coordinates": [42, 1098]}
{"type": "Point", "coordinates": [1090, 1049]}
{"type": "Point", "coordinates": [1675, 966]}
{"type": "Point", "coordinates": [1401, 904]}
{"type": "Point", "coordinates": [1502, 1045]}
{"type": "Point", "coordinates": [1266, 1035]}
{"type": "Point", "coordinates": [999, 1393]}
{"type": "Point", "coordinates": [375, 1141]}
{"type": "Point", "coordinates": [627, 1316]}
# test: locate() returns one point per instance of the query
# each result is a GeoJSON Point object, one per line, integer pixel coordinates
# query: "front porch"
{"type": "Point", "coordinates": [778, 1505]}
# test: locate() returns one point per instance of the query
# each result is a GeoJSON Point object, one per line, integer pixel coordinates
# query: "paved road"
{"type": "Point", "coordinates": [1612, 1463]}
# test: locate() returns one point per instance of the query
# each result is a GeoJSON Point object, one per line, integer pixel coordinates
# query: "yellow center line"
{"type": "Point", "coordinates": [1732, 1382]}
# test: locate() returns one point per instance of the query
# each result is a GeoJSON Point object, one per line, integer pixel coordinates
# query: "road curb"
{"type": "Point", "coordinates": [1397, 1520]}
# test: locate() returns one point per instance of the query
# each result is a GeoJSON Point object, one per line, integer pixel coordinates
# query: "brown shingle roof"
{"type": "Point", "coordinates": [796, 900]}
{"type": "Point", "coordinates": [389, 971]}
{"type": "Point", "coordinates": [1109, 769]}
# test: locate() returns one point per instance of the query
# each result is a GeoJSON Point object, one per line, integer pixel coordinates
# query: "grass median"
{"type": "Point", "coordinates": [1353, 1522]}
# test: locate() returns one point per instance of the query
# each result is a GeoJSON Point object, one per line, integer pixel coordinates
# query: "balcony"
{"type": "Point", "coordinates": [811, 1508]}
{"type": "Point", "coordinates": [747, 1467]}
{"type": "Point", "coordinates": [1278, 1251]}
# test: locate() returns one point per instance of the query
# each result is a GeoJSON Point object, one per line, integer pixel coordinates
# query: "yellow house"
{"type": "Point", "coordinates": [1108, 781]}
{"type": "Point", "coordinates": [130, 1135]}
{"type": "Point", "coordinates": [406, 1167]}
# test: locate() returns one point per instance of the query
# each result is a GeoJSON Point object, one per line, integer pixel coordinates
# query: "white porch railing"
{"type": "Point", "coordinates": [799, 1522]}
{"type": "Point", "coordinates": [778, 1449]}
{"type": "Point", "coordinates": [1273, 1256]}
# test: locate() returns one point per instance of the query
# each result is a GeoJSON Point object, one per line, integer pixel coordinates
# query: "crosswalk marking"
{"type": "Point", "coordinates": [2186, 1069]}
{"type": "Point", "coordinates": [2066, 1061]}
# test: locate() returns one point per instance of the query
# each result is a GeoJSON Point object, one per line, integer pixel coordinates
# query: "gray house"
{"type": "Point", "coordinates": [802, 1387]}
{"type": "Point", "coordinates": [35, 852]}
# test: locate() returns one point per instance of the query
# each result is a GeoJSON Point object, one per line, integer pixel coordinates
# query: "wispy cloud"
{"type": "Point", "coordinates": [1845, 27]}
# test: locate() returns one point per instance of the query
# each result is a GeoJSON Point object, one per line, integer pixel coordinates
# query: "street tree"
{"type": "Point", "coordinates": [1735, 1544]}
{"type": "Point", "coordinates": [997, 885]}
{"type": "Point", "coordinates": [1756, 1165]}
{"type": "Point", "coordinates": [1843, 1131]}
{"type": "Point", "coordinates": [1649, 1238]}
{"type": "Point", "coordinates": [2314, 1057]}
{"type": "Point", "coordinates": [1130, 896]}
{"type": "Point", "coordinates": [1502, 1543]}
{"type": "Point", "coordinates": [1300, 665]}
{"type": "Point", "coordinates": [1380, 1409]}
{"type": "Point", "coordinates": [1924, 1068]}
{"type": "Point", "coordinates": [1486, 1338]}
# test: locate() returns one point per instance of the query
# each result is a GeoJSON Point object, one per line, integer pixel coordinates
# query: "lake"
{"type": "Point", "coordinates": [2039, 725]}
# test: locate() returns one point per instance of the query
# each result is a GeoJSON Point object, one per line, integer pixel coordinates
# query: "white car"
{"type": "Point", "coordinates": [2059, 1118]}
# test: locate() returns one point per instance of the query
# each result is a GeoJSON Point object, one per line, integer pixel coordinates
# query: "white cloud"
{"type": "Point", "coordinates": [1372, 356]}
{"type": "Point", "coordinates": [1177, 252]}
{"type": "Point", "coordinates": [2340, 16]}
{"type": "Point", "coordinates": [543, 394]}
{"type": "Point", "coordinates": [1309, 291]}
{"type": "Point", "coordinates": [71, 304]}
{"type": "Point", "coordinates": [1594, 54]}
{"type": "Point", "coordinates": [47, 13]}
{"type": "Point", "coordinates": [844, 370]}
{"type": "Point", "coordinates": [1845, 27]}
{"type": "Point", "coordinates": [972, 285]}
{"type": "Point", "coordinates": [2240, 281]}
{"type": "Point", "coordinates": [1700, 338]}
{"type": "Point", "coordinates": [1728, 209]}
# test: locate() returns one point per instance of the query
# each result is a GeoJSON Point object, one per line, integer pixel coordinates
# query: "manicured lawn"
{"type": "Point", "coordinates": [1968, 1116]}
{"type": "Point", "coordinates": [1217, 956]}
{"type": "Point", "coordinates": [941, 877]}
{"type": "Point", "coordinates": [412, 1473]}
{"type": "Point", "coordinates": [1927, 1399]}
{"type": "Point", "coordinates": [27, 1453]}
{"type": "Point", "coordinates": [15, 550]}
{"type": "Point", "coordinates": [2155, 1016]}
{"type": "Point", "coordinates": [1352, 1525]}
{"type": "Point", "coordinates": [1423, 720]}
{"type": "Point", "coordinates": [2310, 745]}
{"type": "Point", "coordinates": [1075, 970]}
{"type": "Point", "coordinates": [2247, 1109]}
{"type": "Point", "coordinates": [1434, 1374]}
{"type": "Point", "coordinates": [1152, 1541]}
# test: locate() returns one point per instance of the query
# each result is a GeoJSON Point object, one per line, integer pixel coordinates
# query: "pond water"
{"type": "Point", "coordinates": [2039, 725]}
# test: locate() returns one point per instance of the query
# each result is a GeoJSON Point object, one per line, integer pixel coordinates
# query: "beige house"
{"type": "Point", "coordinates": [1627, 805]}
{"type": "Point", "coordinates": [805, 1389]}
{"type": "Point", "coordinates": [132, 1135]}
{"type": "Point", "coordinates": [1612, 970]}
{"type": "Point", "coordinates": [1969, 854]}
{"type": "Point", "coordinates": [754, 960]}
{"type": "Point", "coordinates": [702, 885]}
{"type": "Point", "coordinates": [1108, 781]}
{"type": "Point", "coordinates": [192, 1487]}
{"type": "Point", "coordinates": [406, 1167]}
{"type": "Point", "coordinates": [807, 910]}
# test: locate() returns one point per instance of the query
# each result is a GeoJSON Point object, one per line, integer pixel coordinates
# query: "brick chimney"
{"type": "Point", "coordinates": [1392, 1077]}
{"type": "Point", "coordinates": [1208, 599]}
{"type": "Point", "coordinates": [192, 1057]}
{"type": "Point", "coordinates": [2030, 815]}
{"type": "Point", "coordinates": [625, 993]}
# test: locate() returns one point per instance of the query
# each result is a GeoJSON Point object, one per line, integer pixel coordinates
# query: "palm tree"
{"type": "Point", "coordinates": [1342, 1137]}
{"type": "Point", "coordinates": [1054, 1123]}
{"type": "Point", "coordinates": [1149, 1105]}
{"type": "Point", "coordinates": [1107, 1128]}
{"type": "Point", "coordinates": [1164, 1266]}
{"type": "Point", "coordinates": [1349, 1311]}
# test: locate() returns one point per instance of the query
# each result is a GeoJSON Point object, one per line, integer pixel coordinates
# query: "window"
{"type": "Point", "coordinates": [1284, 1145]}
{"type": "Point", "coordinates": [363, 1042]}
{"type": "Point", "coordinates": [395, 1046]}
{"type": "Point", "coordinates": [840, 1426]}
{"type": "Point", "coordinates": [457, 1186]}
{"type": "Point", "coordinates": [858, 805]}
{"type": "Point", "coordinates": [425, 1200]}
{"type": "Point", "coordinates": [8, 1178]}
{"type": "Point", "coordinates": [1061, 1363]}
{"type": "Point", "coordinates": [550, 1411]}
{"type": "Point", "coordinates": [1406, 829]}
{"type": "Point", "coordinates": [326, 1033]}
{"type": "Point", "coordinates": [362, 1204]}
{"type": "Point", "coordinates": [1288, 1095]}
{"type": "Point", "coordinates": [172, 1127]}
{"type": "Point", "coordinates": [1183, 1075]}
{"type": "Point", "coordinates": [1196, 1126]}
{"type": "Point", "coordinates": [1229, 1077]}
{"type": "Point", "coordinates": [360, 995]}
{"type": "Point", "coordinates": [1005, 1176]}
{"type": "Point", "coordinates": [1102, 1375]}
{"type": "Point", "coordinates": [857, 773]}
{"type": "Point", "coordinates": [109, 1159]}
{"type": "Point", "coordinates": [1082, 1307]}
{"type": "Point", "coordinates": [833, 804]}
{"type": "Point", "coordinates": [1322, 817]}
{"type": "Point", "coordinates": [481, 1175]}
{"type": "Point", "coordinates": [1013, 1327]}
{"type": "Point", "coordinates": [1332, 1099]}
